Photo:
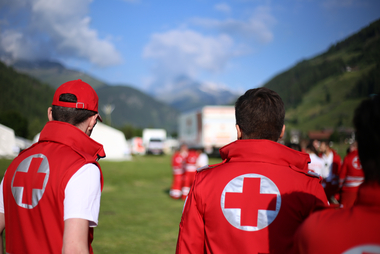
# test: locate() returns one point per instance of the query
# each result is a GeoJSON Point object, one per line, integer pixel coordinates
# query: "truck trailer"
{"type": "Point", "coordinates": [208, 128]}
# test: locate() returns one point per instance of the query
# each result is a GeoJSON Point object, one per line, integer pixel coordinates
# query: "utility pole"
{"type": "Point", "coordinates": [107, 109]}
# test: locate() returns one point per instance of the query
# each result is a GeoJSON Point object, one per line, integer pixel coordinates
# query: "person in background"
{"type": "Point", "coordinates": [202, 159]}
{"type": "Point", "coordinates": [353, 230]}
{"type": "Point", "coordinates": [178, 170]}
{"type": "Point", "coordinates": [351, 177]}
{"type": "Point", "coordinates": [190, 171]}
{"type": "Point", "coordinates": [254, 201]}
{"type": "Point", "coordinates": [316, 163]}
{"type": "Point", "coordinates": [50, 193]}
{"type": "Point", "coordinates": [332, 162]}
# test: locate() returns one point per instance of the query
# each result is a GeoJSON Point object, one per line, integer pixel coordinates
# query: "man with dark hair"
{"type": "Point", "coordinates": [355, 229]}
{"type": "Point", "coordinates": [50, 194]}
{"type": "Point", "coordinates": [254, 200]}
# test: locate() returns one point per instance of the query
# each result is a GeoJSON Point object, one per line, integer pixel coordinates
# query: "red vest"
{"type": "Point", "coordinates": [253, 202]}
{"type": "Point", "coordinates": [34, 188]}
{"type": "Point", "coordinates": [178, 163]}
{"type": "Point", "coordinates": [351, 173]}
{"type": "Point", "coordinates": [191, 161]}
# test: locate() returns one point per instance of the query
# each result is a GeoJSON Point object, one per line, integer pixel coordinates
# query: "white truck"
{"type": "Point", "coordinates": [153, 140]}
{"type": "Point", "coordinates": [209, 127]}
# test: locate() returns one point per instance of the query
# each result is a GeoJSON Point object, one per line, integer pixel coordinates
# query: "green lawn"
{"type": "Point", "coordinates": [137, 215]}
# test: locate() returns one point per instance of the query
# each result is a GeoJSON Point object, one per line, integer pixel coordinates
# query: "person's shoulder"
{"type": "Point", "coordinates": [207, 167]}
{"type": "Point", "coordinates": [307, 173]}
{"type": "Point", "coordinates": [326, 215]}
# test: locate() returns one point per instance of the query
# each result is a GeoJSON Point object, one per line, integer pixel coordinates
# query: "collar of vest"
{"type": "Point", "coordinates": [264, 151]}
{"type": "Point", "coordinates": [68, 134]}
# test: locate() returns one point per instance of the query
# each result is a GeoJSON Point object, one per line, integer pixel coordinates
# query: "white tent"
{"type": "Point", "coordinates": [114, 142]}
{"type": "Point", "coordinates": [8, 146]}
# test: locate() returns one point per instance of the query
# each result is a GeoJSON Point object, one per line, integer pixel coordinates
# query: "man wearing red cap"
{"type": "Point", "coordinates": [50, 194]}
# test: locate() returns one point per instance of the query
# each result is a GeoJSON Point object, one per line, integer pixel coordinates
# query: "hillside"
{"type": "Point", "coordinates": [53, 73]}
{"type": "Point", "coordinates": [23, 102]}
{"type": "Point", "coordinates": [187, 94]}
{"type": "Point", "coordinates": [135, 108]}
{"type": "Point", "coordinates": [323, 92]}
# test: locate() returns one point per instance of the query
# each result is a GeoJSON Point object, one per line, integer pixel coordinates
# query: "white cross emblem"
{"type": "Point", "coordinates": [29, 180]}
{"type": "Point", "coordinates": [364, 249]}
{"type": "Point", "coordinates": [356, 163]}
{"type": "Point", "coordinates": [250, 202]}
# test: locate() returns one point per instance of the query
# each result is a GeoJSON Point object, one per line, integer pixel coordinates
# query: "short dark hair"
{"type": "Point", "coordinates": [311, 147]}
{"type": "Point", "coordinates": [367, 127]}
{"type": "Point", "coordinates": [260, 114]}
{"type": "Point", "coordinates": [73, 116]}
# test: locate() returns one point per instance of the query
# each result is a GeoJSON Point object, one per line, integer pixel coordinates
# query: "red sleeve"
{"type": "Point", "coordinates": [343, 171]}
{"type": "Point", "coordinates": [337, 163]}
{"type": "Point", "coordinates": [191, 228]}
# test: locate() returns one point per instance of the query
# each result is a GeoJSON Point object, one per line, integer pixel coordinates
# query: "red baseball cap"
{"type": "Point", "coordinates": [86, 96]}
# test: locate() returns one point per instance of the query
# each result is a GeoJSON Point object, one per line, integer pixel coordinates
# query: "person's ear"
{"type": "Point", "coordinates": [238, 130]}
{"type": "Point", "coordinates": [50, 114]}
{"type": "Point", "coordinates": [282, 132]}
{"type": "Point", "coordinates": [93, 121]}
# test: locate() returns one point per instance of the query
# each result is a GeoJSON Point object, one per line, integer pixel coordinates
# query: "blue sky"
{"type": "Point", "coordinates": [237, 44]}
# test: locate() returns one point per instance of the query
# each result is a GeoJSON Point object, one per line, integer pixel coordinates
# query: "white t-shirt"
{"type": "Point", "coordinates": [82, 195]}
{"type": "Point", "coordinates": [317, 165]}
{"type": "Point", "coordinates": [202, 160]}
{"type": "Point", "coordinates": [328, 163]}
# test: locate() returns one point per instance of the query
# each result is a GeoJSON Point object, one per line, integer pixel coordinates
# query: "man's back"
{"type": "Point", "coordinates": [252, 203]}
{"type": "Point", "coordinates": [349, 231]}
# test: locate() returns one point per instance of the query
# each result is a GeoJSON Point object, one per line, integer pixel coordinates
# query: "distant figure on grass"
{"type": "Point", "coordinates": [202, 159]}
{"type": "Point", "coordinates": [178, 170]}
{"type": "Point", "coordinates": [316, 164]}
{"type": "Point", "coordinates": [353, 230]}
{"type": "Point", "coordinates": [50, 194]}
{"type": "Point", "coordinates": [254, 201]}
{"type": "Point", "coordinates": [190, 171]}
{"type": "Point", "coordinates": [350, 178]}
{"type": "Point", "coordinates": [332, 162]}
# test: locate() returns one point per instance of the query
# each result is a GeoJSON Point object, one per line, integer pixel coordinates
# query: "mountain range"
{"type": "Point", "coordinates": [319, 93]}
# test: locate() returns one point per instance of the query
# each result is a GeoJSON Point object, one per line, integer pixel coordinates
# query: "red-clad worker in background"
{"type": "Point", "coordinates": [350, 178]}
{"type": "Point", "coordinates": [254, 201]}
{"type": "Point", "coordinates": [333, 163]}
{"type": "Point", "coordinates": [353, 230]}
{"type": "Point", "coordinates": [178, 170]}
{"type": "Point", "coordinates": [190, 171]}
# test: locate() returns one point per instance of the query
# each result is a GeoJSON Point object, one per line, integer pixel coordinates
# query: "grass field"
{"type": "Point", "coordinates": [137, 215]}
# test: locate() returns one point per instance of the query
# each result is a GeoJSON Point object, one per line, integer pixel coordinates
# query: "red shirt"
{"type": "Point", "coordinates": [253, 202]}
{"type": "Point", "coordinates": [351, 173]}
{"type": "Point", "coordinates": [34, 188]}
{"type": "Point", "coordinates": [344, 230]}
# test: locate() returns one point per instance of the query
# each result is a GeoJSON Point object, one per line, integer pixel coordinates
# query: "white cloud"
{"type": "Point", "coordinates": [63, 27]}
{"type": "Point", "coordinates": [186, 52]}
{"type": "Point", "coordinates": [257, 27]}
{"type": "Point", "coordinates": [223, 7]}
